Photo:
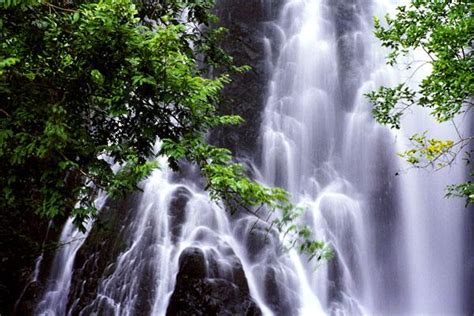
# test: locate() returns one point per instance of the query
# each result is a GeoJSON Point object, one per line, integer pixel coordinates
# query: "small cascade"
{"type": "Point", "coordinates": [171, 219]}
{"type": "Point", "coordinates": [55, 295]}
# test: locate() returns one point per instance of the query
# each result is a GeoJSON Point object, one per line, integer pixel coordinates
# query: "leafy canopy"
{"type": "Point", "coordinates": [444, 30]}
{"type": "Point", "coordinates": [87, 83]}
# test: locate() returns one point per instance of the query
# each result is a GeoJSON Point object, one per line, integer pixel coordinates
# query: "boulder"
{"type": "Point", "coordinates": [199, 291]}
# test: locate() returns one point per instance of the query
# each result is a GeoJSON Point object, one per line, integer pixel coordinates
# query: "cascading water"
{"type": "Point", "coordinates": [321, 143]}
{"type": "Point", "coordinates": [56, 292]}
{"type": "Point", "coordinates": [398, 243]}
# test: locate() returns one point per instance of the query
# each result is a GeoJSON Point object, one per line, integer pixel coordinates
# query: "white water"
{"type": "Point", "coordinates": [55, 295]}
{"type": "Point", "coordinates": [398, 243]}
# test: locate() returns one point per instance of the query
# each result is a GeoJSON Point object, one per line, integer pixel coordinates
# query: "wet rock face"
{"type": "Point", "coordinates": [264, 252]}
{"type": "Point", "coordinates": [201, 289]}
{"type": "Point", "coordinates": [178, 211]}
{"type": "Point", "coordinates": [348, 16]}
{"type": "Point", "coordinates": [96, 258]}
{"type": "Point", "coordinates": [18, 292]}
{"type": "Point", "coordinates": [247, 23]}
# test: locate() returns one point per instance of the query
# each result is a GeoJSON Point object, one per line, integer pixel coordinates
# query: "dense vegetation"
{"type": "Point", "coordinates": [444, 30]}
{"type": "Point", "coordinates": [88, 84]}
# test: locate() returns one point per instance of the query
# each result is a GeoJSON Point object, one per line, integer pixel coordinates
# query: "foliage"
{"type": "Point", "coordinates": [89, 82]}
{"type": "Point", "coordinates": [444, 30]}
{"type": "Point", "coordinates": [429, 151]}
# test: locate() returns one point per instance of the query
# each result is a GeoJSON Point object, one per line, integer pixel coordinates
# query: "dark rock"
{"type": "Point", "coordinates": [276, 298]}
{"type": "Point", "coordinates": [34, 236]}
{"type": "Point", "coordinates": [29, 299]}
{"type": "Point", "coordinates": [97, 256]}
{"type": "Point", "coordinates": [350, 51]}
{"type": "Point", "coordinates": [178, 210]}
{"type": "Point", "coordinates": [192, 264]}
{"type": "Point", "coordinates": [202, 292]}
{"type": "Point", "coordinates": [245, 95]}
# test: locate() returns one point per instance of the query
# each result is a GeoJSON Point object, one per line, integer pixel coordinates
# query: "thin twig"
{"type": "Point", "coordinates": [5, 112]}
{"type": "Point", "coordinates": [59, 8]}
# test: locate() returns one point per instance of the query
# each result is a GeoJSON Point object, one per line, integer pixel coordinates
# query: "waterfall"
{"type": "Point", "coordinates": [398, 243]}
{"type": "Point", "coordinates": [322, 145]}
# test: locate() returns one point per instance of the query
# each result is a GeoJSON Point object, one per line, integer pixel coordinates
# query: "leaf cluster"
{"type": "Point", "coordinates": [425, 151]}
